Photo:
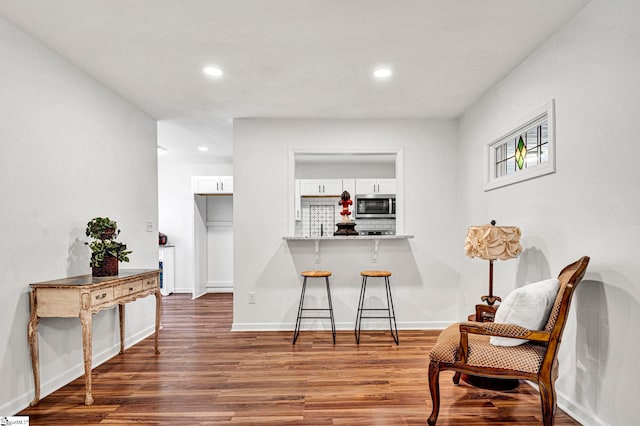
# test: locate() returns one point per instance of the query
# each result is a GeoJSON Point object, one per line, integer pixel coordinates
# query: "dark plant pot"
{"type": "Point", "coordinates": [108, 269]}
{"type": "Point", "coordinates": [162, 239]}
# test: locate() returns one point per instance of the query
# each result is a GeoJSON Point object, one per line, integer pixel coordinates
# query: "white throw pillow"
{"type": "Point", "coordinates": [528, 307]}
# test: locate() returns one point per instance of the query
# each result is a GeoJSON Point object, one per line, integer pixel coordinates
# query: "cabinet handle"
{"type": "Point", "coordinates": [323, 190]}
{"type": "Point", "coordinates": [319, 189]}
{"type": "Point", "coordinates": [101, 296]}
{"type": "Point", "coordinates": [222, 186]}
{"type": "Point", "coordinates": [130, 288]}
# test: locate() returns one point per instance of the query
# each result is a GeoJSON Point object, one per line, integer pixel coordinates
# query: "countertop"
{"type": "Point", "coordinates": [350, 237]}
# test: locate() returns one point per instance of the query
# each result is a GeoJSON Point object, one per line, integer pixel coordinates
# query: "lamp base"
{"type": "Point", "coordinates": [491, 299]}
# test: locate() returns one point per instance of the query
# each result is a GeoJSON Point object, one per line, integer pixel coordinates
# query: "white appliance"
{"type": "Point", "coordinates": [166, 264]}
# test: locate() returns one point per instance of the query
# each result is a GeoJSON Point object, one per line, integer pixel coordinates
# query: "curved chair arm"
{"type": "Point", "coordinates": [499, 330]}
{"type": "Point", "coordinates": [504, 330]}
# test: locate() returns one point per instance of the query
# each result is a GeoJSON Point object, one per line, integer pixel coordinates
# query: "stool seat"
{"type": "Point", "coordinates": [316, 274]}
{"type": "Point", "coordinates": [375, 273]}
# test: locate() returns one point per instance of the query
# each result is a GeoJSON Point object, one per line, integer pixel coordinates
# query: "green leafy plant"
{"type": "Point", "coordinates": [104, 231]}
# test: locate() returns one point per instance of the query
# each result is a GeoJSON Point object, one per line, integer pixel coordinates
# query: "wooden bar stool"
{"type": "Point", "coordinates": [301, 308]}
{"type": "Point", "coordinates": [391, 314]}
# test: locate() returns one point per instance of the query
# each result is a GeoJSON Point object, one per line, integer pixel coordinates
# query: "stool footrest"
{"type": "Point", "coordinates": [361, 316]}
{"type": "Point", "coordinates": [393, 327]}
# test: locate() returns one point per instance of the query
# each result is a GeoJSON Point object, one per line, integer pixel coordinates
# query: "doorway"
{"type": "Point", "coordinates": [213, 238]}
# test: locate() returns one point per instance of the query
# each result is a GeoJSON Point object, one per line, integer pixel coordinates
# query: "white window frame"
{"type": "Point", "coordinates": [492, 181]}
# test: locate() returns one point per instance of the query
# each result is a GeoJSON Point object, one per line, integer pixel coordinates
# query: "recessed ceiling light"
{"type": "Point", "coordinates": [382, 73]}
{"type": "Point", "coordinates": [203, 148]}
{"type": "Point", "coordinates": [212, 71]}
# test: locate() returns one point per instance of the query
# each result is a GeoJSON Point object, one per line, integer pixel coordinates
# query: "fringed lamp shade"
{"type": "Point", "coordinates": [492, 242]}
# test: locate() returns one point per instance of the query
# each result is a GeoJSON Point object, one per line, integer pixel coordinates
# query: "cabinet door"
{"type": "Point", "coordinates": [366, 186]}
{"type": "Point", "coordinates": [386, 186]}
{"type": "Point", "coordinates": [310, 187]}
{"type": "Point", "coordinates": [226, 185]}
{"type": "Point", "coordinates": [349, 185]}
{"type": "Point", "coordinates": [332, 187]}
{"type": "Point", "coordinates": [207, 185]}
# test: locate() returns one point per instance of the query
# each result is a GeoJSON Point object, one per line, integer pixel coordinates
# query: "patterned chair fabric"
{"type": "Point", "coordinates": [527, 357]}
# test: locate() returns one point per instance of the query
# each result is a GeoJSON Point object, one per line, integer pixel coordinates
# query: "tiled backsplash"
{"type": "Point", "coordinates": [325, 211]}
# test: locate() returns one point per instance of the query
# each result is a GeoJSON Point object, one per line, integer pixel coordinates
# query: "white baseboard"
{"type": "Point", "coordinates": [219, 289]}
{"type": "Point", "coordinates": [22, 401]}
{"type": "Point", "coordinates": [316, 325]}
{"type": "Point", "coordinates": [574, 410]}
{"type": "Point", "coordinates": [579, 413]}
{"type": "Point", "coordinates": [219, 286]}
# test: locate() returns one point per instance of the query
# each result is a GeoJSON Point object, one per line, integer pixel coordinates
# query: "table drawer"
{"type": "Point", "coordinates": [98, 297]}
{"type": "Point", "coordinates": [150, 283]}
{"type": "Point", "coordinates": [128, 288]}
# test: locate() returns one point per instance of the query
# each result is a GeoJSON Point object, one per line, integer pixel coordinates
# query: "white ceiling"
{"type": "Point", "coordinates": [289, 58]}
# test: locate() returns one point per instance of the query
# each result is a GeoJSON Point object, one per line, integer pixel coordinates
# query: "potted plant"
{"type": "Point", "coordinates": [106, 252]}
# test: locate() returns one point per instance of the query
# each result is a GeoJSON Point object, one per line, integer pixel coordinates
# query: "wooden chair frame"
{"type": "Point", "coordinates": [569, 278]}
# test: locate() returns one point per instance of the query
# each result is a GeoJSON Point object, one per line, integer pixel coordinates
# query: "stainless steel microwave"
{"type": "Point", "coordinates": [375, 206]}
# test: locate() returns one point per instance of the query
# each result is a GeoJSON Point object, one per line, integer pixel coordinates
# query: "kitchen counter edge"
{"type": "Point", "coordinates": [350, 237]}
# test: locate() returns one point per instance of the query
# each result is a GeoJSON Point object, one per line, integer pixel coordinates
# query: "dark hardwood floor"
{"type": "Point", "coordinates": [207, 375]}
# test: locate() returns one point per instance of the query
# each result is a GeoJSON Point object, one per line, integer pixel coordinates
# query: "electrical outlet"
{"type": "Point", "coordinates": [149, 226]}
{"type": "Point", "coordinates": [252, 297]}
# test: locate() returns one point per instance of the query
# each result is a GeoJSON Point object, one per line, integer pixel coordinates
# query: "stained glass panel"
{"type": "Point", "coordinates": [521, 152]}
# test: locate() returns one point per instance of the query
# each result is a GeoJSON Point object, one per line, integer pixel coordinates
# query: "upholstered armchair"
{"type": "Point", "coordinates": [466, 348]}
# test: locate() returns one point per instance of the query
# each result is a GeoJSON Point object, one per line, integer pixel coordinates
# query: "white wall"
{"type": "Point", "coordinates": [70, 150]}
{"type": "Point", "coordinates": [176, 211]}
{"type": "Point", "coordinates": [425, 269]}
{"type": "Point", "coordinates": [588, 207]}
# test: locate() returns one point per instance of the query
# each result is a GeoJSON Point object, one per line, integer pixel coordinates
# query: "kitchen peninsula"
{"type": "Point", "coordinates": [375, 238]}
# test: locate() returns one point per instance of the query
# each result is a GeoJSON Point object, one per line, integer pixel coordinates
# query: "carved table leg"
{"type": "Point", "coordinates": [158, 306]}
{"type": "Point", "coordinates": [32, 333]}
{"type": "Point", "coordinates": [121, 312]}
{"type": "Point", "coordinates": [86, 321]}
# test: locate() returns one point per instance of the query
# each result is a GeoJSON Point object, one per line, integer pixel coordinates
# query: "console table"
{"type": "Point", "coordinates": [81, 297]}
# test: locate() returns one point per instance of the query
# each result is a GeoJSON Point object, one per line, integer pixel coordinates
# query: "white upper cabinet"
{"type": "Point", "coordinates": [375, 186]}
{"type": "Point", "coordinates": [320, 187]}
{"type": "Point", "coordinates": [387, 186]}
{"type": "Point", "coordinates": [349, 185]}
{"type": "Point", "coordinates": [212, 185]}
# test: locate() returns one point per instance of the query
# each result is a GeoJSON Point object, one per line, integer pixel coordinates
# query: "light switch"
{"type": "Point", "coordinates": [149, 226]}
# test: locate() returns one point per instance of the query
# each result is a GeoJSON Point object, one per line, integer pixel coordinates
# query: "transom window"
{"type": "Point", "coordinates": [523, 153]}
{"type": "Point", "coordinates": [526, 150]}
